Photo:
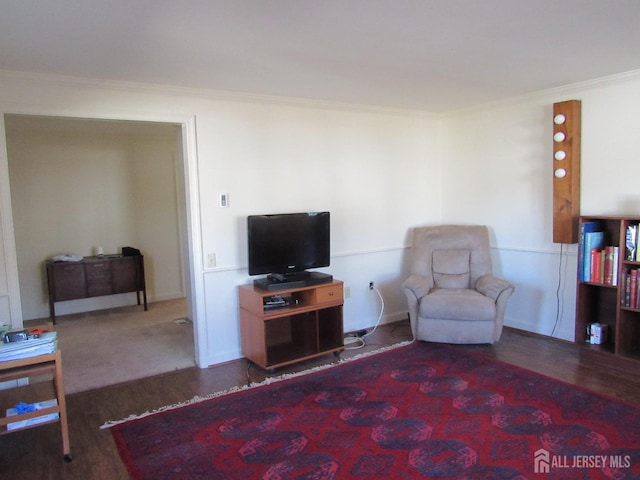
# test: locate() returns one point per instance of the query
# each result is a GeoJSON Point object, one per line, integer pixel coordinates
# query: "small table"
{"type": "Point", "coordinates": [50, 363]}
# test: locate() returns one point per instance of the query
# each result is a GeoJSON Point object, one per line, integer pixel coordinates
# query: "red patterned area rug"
{"type": "Point", "coordinates": [417, 411]}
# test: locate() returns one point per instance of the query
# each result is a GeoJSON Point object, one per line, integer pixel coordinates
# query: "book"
{"type": "Point", "coordinates": [626, 297]}
{"type": "Point", "coordinates": [633, 288]}
{"type": "Point", "coordinates": [592, 241]}
{"type": "Point", "coordinates": [616, 259]}
{"type": "Point", "coordinates": [631, 242]}
{"type": "Point", "coordinates": [35, 420]}
{"type": "Point", "coordinates": [597, 264]}
{"type": "Point", "coordinates": [608, 265]}
{"type": "Point", "coordinates": [585, 227]}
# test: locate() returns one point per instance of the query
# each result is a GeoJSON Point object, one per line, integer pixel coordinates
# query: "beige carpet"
{"type": "Point", "coordinates": [118, 345]}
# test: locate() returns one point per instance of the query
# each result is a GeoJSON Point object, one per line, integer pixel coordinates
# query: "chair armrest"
{"type": "Point", "coordinates": [418, 285]}
{"type": "Point", "coordinates": [492, 286]}
{"type": "Point", "coordinates": [415, 287]}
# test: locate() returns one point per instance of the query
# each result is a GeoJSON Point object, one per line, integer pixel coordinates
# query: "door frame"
{"type": "Point", "coordinates": [192, 257]}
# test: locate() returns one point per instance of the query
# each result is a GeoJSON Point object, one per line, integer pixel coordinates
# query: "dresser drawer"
{"type": "Point", "coordinates": [329, 294]}
{"type": "Point", "coordinates": [98, 279]}
{"type": "Point", "coordinates": [68, 279]}
{"type": "Point", "coordinates": [126, 275]}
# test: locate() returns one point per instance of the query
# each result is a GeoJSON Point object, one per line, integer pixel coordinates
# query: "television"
{"type": "Point", "coordinates": [285, 246]}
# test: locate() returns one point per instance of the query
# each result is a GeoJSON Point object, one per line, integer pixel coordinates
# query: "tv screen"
{"type": "Point", "coordinates": [288, 243]}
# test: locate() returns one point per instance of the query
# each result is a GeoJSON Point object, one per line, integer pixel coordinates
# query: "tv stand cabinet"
{"type": "Point", "coordinates": [292, 325]}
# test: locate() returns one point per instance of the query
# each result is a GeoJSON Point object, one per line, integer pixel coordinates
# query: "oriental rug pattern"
{"type": "Point", "coordinates": [417, 411]}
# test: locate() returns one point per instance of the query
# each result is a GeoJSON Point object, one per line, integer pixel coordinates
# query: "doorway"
{"type": "Point", "coordinates": [81, 184]}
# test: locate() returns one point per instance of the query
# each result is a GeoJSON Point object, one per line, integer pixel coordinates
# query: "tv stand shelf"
{"type": "Point", "coordinates": [308, 324]}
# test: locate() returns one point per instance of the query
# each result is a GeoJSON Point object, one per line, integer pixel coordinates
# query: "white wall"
{"type": "Point", "coordinates": [497, 169]}
{"type": "Point", "coordinates": [79, 185]}
{"type": "Point", "coordinates": [380, 173]}
{"type": "Point", "coordinates": [377, 171]}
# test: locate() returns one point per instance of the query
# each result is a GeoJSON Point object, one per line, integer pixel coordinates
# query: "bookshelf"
{"type": "Point", "coordinates": [605, 292]}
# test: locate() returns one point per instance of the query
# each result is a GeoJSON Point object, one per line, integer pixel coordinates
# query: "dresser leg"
{"type": "Point", "coordinates": [52, 312]}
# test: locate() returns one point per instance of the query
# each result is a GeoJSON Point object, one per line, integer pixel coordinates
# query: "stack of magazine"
{"type": "Point", "coordinates": [46, 343]}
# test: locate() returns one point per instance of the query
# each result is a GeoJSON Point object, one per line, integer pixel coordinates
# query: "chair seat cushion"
{"type": "Point", "coordinates": [457, 304]}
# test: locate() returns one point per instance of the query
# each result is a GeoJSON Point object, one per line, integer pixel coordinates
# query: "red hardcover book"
{"type": "Point", "coordinates": [596, 266]}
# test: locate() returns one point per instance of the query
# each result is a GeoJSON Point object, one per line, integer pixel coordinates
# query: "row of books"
{"type": "Point", "coordinates": [597, 262]}
{"type": "Point", "coordinates": [603, 266]}
{"type": "Point", "coordinates": [631, 296]}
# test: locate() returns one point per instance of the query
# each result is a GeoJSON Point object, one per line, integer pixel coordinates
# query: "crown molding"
{"type": "Point", "coordinates": [220, 95]}
{"type": "Point", "coordinates": [555, 92]}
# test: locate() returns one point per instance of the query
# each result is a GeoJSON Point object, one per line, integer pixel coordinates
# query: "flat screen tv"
{"type": "Point", "coordinates": [286, 245]}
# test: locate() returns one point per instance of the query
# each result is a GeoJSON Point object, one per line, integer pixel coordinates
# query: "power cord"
{"type": "Point", "coordinates": [381, 311]}
{"type": "Point", "coordinates": [358, 339]}
{"type": "Point", "coordinates": [559, 298]}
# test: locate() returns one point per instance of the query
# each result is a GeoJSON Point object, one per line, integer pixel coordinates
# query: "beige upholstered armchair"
{"type": "Point", "coordinates": [453, 295]}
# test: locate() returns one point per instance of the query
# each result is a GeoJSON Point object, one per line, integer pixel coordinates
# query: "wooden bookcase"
{"type": "Point", "coordinates": [307, 325]}
{"type": "Point", "coordinates": [598, 302]}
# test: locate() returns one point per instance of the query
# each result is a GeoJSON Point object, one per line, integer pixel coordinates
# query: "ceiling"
{"type": "Point", "coordinates": [430, 55]}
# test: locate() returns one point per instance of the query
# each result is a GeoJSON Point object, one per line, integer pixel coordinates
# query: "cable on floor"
{"type": "Point", "coordinates": [358, 341]}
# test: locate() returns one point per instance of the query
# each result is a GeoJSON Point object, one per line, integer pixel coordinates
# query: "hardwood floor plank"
{"type": "Point", "coordinates": [37, 453]}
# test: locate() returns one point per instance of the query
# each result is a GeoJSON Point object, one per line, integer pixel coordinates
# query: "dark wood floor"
{"type": "Point", "coordinates": [37, 453]}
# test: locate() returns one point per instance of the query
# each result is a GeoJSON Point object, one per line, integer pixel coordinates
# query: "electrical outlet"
{"type": "Point", "coordinates": [211, 260]}
{"type": "Point", "coordinates": [370, 285]}
{"type": "Point", "coordinates": [347, 292]}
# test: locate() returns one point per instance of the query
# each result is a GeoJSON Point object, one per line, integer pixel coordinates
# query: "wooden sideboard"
{"type": "Point", "coordinates": [95, 277]}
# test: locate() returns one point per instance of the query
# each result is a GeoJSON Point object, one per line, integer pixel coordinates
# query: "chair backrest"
{"type": "Point", "coordinates": [451, 256]}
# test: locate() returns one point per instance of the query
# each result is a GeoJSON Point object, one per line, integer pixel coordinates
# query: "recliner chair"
{"type": "Point", "coordinates": [452, 293]}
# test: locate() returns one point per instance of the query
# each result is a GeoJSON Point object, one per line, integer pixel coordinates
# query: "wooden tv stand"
{"type": "Point", "coordinates": [307, 325]}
